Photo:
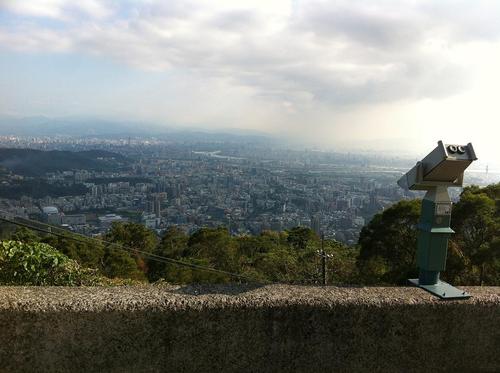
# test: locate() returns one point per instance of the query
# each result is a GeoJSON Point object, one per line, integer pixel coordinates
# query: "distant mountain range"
{"type": "Point", "coordinates": [94, 127]}
{"type": "Point", "coordinates": [43, 126]}
{"type": "Point", "coordinates": [30, 162]}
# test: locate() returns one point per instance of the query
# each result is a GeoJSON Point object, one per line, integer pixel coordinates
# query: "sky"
{"type": "Point", "coordinates": [390, 76]}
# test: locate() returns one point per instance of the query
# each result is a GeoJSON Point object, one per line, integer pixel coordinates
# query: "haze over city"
{"type": "Point", "coordinates": [389, 76]}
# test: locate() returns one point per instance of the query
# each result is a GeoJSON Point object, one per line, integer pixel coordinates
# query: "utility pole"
{"type": "Point", "coordinates": [323, 259]}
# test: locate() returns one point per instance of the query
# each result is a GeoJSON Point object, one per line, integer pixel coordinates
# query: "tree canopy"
{"type": "Point", "coordinates": [388, 243]}
{"type": "Point", "coordinates": [476, 221]}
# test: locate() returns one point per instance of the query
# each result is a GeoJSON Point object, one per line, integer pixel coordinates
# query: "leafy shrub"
{"type": "Point", "coordinates": [34, 263]}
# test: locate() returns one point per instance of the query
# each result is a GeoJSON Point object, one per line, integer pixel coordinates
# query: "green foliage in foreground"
{"type": "Point", "coordinates": [37, 263]}
{"type": "Point", "coordinates": [289, 256]}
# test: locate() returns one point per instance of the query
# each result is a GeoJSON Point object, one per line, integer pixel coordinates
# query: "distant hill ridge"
{"type": "Point", "coordinates": [95, 127]}
{"type": "Point", "coordinates": [31, 162]}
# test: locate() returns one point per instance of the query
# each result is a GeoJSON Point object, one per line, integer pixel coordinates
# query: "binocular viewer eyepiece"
{"type": "Point", "coordinates": [460, 149]}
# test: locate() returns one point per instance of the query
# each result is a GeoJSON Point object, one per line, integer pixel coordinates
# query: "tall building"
{"type": "Point", "coordinates": [316, 224]}
{"type": "Point", "coordinates": [153, 205]}
{"type": "Point", "coordinates": [157, 206]}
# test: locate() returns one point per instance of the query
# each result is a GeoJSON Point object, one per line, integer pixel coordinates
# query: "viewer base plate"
{"type": "Point", "coordinates": [442, 289]}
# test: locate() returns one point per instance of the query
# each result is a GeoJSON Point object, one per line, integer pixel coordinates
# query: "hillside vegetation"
{"type": "Point", "coordinates": [385, 254]}
{"type": "Point", "coordinates": [37, 263]}
{"type": "Point", "coordinates": [31, 162]}
{"type": "Point", "coordinates": [39, 188]}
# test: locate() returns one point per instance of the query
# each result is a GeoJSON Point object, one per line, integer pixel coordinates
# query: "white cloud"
{"type": "Point", "coordinates": [339, 52]}
{"type": "Point", "coordinates": [57, 9]}
{"type": "Point", "coordinates": [287, 62]}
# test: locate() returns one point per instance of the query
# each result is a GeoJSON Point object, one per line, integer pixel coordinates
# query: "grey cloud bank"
{"type": "Point", "coordinates": [336, 51]}
{"type": "Point", "coordinates": [271, 65]}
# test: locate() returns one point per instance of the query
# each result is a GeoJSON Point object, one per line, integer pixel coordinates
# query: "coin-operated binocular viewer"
{"type": "Point", "coordinates": [442, 168]}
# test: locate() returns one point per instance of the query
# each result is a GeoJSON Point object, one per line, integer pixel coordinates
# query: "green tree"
{"type": "Point", "coordinates": [217, 248]}
{"type": "Point", "coordinates": [252, 246]}
{"type": "Point", "coordinates": [87, 252]}
{"type": "Point", "coordinates": [252, 253]}
{"type": "Point", "coordinates": [280, 264]}
{"type": "Point", "coordinates": [290, 257]}
{"type": "Point", "coordinates": [121, 264]}
{"type": "Point", "coordinates": [476, 221]}
{"type": "Point", "coordinates": [172, 245]}
{"type": "Point", "coordinates": [135, 237]}
{"type": "Point", "coordinates": [388, 245]}
{"type": "Point", "coordinates": [299, 237]}
{"type": "Point", "coordinates": [341, 265]}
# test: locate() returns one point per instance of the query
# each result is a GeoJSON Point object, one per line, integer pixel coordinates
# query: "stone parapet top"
{"type": "Point", "coordinates": [170, 297]}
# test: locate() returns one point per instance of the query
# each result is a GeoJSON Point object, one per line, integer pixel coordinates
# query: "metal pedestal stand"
{"type": "Point", "coordinates": [434, 232]}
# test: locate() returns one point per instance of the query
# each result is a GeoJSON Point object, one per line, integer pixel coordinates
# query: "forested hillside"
{"type": "Point", "coordinates": [30, 162]}
{"type": "Point", "coordinates": [39, 188]}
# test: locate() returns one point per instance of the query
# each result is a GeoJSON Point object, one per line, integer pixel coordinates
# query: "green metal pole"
{"type": "Point", "coordinates": [434, 232]}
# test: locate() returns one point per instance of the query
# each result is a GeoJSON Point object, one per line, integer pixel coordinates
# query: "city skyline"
{"type": "Point", "coordinates": [246, 188]}
{"type": "Point", "coordinates": [386, 76]}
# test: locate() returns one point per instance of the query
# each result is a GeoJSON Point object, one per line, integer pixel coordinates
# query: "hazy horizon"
{"type": "Point", "coordinates": [386, 75]}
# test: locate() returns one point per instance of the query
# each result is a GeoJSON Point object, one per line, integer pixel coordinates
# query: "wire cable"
{"type": "Point", "coordinates": [84, 239]}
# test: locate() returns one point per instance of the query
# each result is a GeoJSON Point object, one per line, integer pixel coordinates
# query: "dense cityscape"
{"type": "Point", "coordinates": [248, 187]}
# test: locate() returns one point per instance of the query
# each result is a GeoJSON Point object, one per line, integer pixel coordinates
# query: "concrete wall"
{"type": "Point", "coordinates": [243, 329]}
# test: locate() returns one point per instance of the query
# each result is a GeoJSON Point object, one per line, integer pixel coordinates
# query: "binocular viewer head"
{"type": "Point", "coordinates": [444, 166]}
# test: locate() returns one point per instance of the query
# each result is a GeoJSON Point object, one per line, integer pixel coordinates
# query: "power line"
{"type": "Point", "coordinates": [84, 239]}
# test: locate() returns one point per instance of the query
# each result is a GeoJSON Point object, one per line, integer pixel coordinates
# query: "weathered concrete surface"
{"type": "Point", "coordinates": [244, 329]}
